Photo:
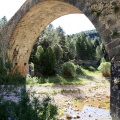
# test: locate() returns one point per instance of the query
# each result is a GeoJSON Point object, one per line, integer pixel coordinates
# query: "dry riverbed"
{"type": "Point", "coordinates": [94, 93]}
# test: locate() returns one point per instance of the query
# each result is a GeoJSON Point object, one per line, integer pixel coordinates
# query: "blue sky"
{"type": "Point", "coordinates": [71, 24]}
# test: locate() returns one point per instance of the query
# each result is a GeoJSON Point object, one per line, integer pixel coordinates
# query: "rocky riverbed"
{"type": "Point", "coordinates": [95, 93]}
{"type": "Point", "coordinates": [73, 97]}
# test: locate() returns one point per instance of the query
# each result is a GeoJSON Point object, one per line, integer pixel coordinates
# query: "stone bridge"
{"type": "Point", "coordinates": [19, 35]}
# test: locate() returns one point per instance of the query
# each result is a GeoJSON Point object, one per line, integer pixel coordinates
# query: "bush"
{"type": "Point", "coordinates": [28, 108]}
{"type": "Point", "coordinates": [6, 75]}
{"type": "Point", "coordinates": [12, 79]}
{"type": "Point", "coordinates": [105, 69]}
{"type": "Point", "coordinates": [68, 69]}
{"type": "Point", "coordinates": [79, 70]}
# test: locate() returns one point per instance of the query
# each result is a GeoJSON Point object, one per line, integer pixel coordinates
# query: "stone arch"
{"type": "Point", "coordinates": [19, 35]}
{"type": "Point", "coordinates": [34, 15]}
{"type": "Point", "coordinates": [30, 27]}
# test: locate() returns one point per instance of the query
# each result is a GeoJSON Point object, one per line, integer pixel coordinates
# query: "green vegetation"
{"type": "Point", "coordinates": [92, 11]}
{"type": "Point", "coordinates": [48, 62]}
{"type": "Point", "coordinates": [116, 9]}
{"type": "Point", "coordinates": [81, 77]}
{"type": "Point", "coordinates": [68, 69]}
{"type": "Point", "coordinates": [3, 21]}
{"type": "Point", "coordinates": [53, 51]}
{"type": "Point", "coordinates": [105, 69]}
{"type": "Point", "coordinates": [98, 14]}
{"type": "Point", "coordinates": [6, 75]}
{"type": "Point", "coordinates": [114, 33]}
{"type": "Point", "coordinates": [28, 108]}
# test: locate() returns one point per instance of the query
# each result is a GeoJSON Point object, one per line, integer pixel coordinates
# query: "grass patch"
{"type": "Point", "coordinates": [86, 76]}
{"type": "Point", "coordinates": [89, 73]}
{"type": "Point", "coordinates": [77, 101]}
{"type": "Point", "coordinates": [57, 80]}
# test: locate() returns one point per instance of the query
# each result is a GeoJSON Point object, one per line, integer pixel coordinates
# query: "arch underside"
{"type": "Point", "coordinates": [35, 15]}
{"type": "Point", "coordinates": [30, 27]}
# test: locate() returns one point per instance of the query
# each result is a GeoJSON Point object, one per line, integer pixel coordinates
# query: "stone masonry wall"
{"type": "Point", "coordinates": [115, 89]}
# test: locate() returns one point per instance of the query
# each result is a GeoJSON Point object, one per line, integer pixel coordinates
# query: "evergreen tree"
{"type": "Point", "coordinates": [90, 49]}
{"type": "Point", "coordinates": [62, 42]}
{"type": "Point", "coordinates": [58, 52]}
{"type": "Point", "coordinates": [97, 41]}
{"type": "Point", "coordinates": [99, 53]}
{"type": "Point", "coordinates": [105, 54]}
{"type": "Point", "coordinates": [72, 50]}
{"type": "Point", "coordinates": [3, 21]}
{"type": "Point", "coordinates": [38, 52]}
{"type": "Point", "coordinates": [48, 62]}
{"type": "Point", "coordinates": [81, 46]}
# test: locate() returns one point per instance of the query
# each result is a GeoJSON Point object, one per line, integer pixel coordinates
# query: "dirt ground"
{"type": "Point", "coordinates": [94, 93]}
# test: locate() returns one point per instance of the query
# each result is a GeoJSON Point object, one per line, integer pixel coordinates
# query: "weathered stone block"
{"type": "Point", "coordinates": [112, 109]}
{"type": "Point", "coordinates": [118, 112]}
{"type": "Point", "coordinates": [112, 52]}
{"type": "Point", "coordinates": [113, 44]}
{"type": "Point", "coordinates": [118, 50]}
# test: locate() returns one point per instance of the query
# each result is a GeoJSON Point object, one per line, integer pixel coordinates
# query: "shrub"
{"type": "Point", "coordinates": [31, 80]}
{"type": "Point", "coordinates": [6, 75]}
{"type": "Point", "coordinates": [79, 70]}
{"type": "Point", "coordinates": [116, 9]}
{"type": "Point", "coordinates": [12, 79]}
{"type": "Point", "coordinates": [28, 108]}
{"type": "Point", "coordinates": [105, 69]}
{"type": "Point", "coordinates": [68, 69]}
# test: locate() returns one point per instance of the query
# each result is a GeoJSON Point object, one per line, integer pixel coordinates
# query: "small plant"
{"type": "Point", "coordinates": [98, 14]}
{"type": "Point", "coordinates": [92, 11]}
{"type": "Point", "coordinates": [114, 33]}
{"type": "Point", "coordinates": [68, 69]}
{"type": "Point", "coordinates": [105, 69]}
{"type": "Point", "coordinates": [116, 9]}
{"type": "Point", "coordinates": [31, 80]}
